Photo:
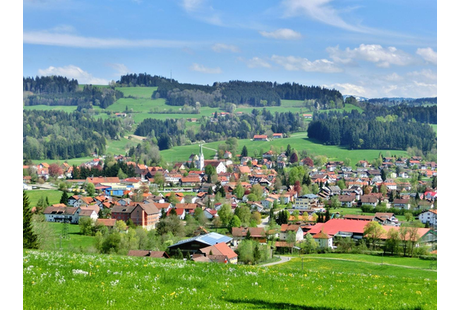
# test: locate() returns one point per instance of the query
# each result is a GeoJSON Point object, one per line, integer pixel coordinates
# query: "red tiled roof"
{"type": "Point", "coordinates": [333, 226]}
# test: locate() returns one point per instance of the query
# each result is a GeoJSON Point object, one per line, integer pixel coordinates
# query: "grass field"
{"type": "Point", "coordinates": [54, 196]}
{"type": "Point", "coordinates": [298, 141]}
{"type": "Point", "coordinates": [62, 280]}
{"type": "Point", "coordinates": [73, 239]}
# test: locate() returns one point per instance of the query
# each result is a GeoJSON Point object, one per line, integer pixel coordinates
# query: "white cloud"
{"type": "Point", "coordinates": [203, 69]}
{"type": "Point", "coordinates": [256, 62]}
{"type": "Point", "coordinates": [428, 54]}
{"type": "Point", "coordinates": [73, 72]}
{"type": "Point", "coordinates": [382, 57]}
{"type": "Point", "coordinates": [199, 10]}
{"type": "Point", "coordinates": [349, 89]}
{"type": "Point", "coordinates": [69, 40]}
{"type": "Point", "coordinates": [319, 10]}
{"type": "Point", "coordinates": [120, 69]}
{"type": "Point", "coordinates": [416, 84]}
{"type": "Point", "coordinates": [192, 5]}
{"type": "Point", "coordinates": [292, 63]}
{"type": "Point", "coordinates": [284, 34]}
{"type": "Point", "coordinates": [426, 75]}
{"type": "Point", "coordinates": [220, 47]}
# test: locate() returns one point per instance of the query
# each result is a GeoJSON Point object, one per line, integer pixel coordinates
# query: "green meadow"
{"type": "Point", "coordinates": [65, 280]}
{"type": "Point", "coordinates": [54, 196]}
{"type": "Point", "coordinates": [298, 141]}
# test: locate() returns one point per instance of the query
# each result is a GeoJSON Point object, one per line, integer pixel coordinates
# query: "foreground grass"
{"type": "Point", "coordinates": [62, 280]}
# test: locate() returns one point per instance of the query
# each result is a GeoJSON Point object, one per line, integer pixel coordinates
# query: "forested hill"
{"type": "Point", "coordinates": [253, 93]}
{"type": "Point", "coordinates": [58, 90]}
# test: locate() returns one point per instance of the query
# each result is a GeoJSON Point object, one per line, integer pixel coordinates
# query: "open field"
{"type": "Point", "coordinates": [54, 196]}
{"type": "Point", "coordinates": [298, 141]}
{"type": "Point", "coordinates": [62, 280]}
{"type": "Point", "coordinates": [73, 238]}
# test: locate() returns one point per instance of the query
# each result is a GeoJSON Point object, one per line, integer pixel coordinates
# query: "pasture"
{"type": "Point", "coordinates": [298, 141]}
{"type": "Point", "coordinates": [54, 196]}
{"type": "Point", "coordinates": [64, 280]}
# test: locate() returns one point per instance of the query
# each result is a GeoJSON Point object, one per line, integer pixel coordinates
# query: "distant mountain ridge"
{"type": "Point", "coordinates": [395, 100]}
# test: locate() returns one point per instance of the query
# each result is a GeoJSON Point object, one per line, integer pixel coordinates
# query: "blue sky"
{"type": "Point", "coordinates": [378, 48]}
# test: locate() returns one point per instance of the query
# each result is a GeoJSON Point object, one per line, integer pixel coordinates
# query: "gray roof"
{"type": "Point", "coordinates": [209, 239]}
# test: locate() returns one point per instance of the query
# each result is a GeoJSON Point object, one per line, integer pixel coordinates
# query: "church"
{"type": "Point", "coordinates": [197, 160]}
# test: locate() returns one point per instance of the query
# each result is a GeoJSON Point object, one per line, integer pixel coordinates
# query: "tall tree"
{"type": "Point", "coordinates": [64, 198]}
{"type": "Point", "coordinates": [29, 238]}
{"type": "Point", "coordinates": [244, 151]}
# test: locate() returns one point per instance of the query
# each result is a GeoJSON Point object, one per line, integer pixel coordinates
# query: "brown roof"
{"type": "Point", "coordinates": [106, 222]}
{"type": "Point", "coordinates": [60, 210]}
{"type": "Point", "coordinates": [369, 198]}
{"type": "Point", "coordinates": [190, 179]}
{"type": "Point", "coordinates": [257, 232]}
{"type": "Point", "coordinates": [103, 180]}
{"type": "Point", "coordinates": [143, 253]}
{"type": "Point", "coordinates": [149, 207]}
{"type": "Point", "coordinates": [289, 227]}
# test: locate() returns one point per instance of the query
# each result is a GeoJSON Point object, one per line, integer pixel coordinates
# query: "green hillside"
{"type": "Point", "coordinates": [298, 141]}
{"type": "Point", "coordinates": [64, 280]}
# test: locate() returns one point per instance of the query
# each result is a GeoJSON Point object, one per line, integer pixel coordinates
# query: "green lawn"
{"type": "Point", "coordinates": [73, 240]}
{"type": "Point", "coordinates": [54, 196]}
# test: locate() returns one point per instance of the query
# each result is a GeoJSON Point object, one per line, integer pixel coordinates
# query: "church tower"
{"type": "Point", "coordinates": [201, 159]}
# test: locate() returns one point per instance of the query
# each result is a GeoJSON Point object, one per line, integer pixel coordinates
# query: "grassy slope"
{"type": "Point", "coordinates": [143, 106]}
{"type": "Point", "coordinates": [61, 280]}
{"type": "Point", "coordinates": [298, 141]}
{"type": "Point", "coordinates": [54, 196]}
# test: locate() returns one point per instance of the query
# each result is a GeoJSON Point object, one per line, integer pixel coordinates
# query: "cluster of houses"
{"type": "Point", "coordinates": [120, 197]}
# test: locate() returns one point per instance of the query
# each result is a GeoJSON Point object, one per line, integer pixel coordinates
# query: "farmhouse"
{"type": "Point", "coordinates": [193, 245]}
{"type": "Point", "coordinates": [260, 138]}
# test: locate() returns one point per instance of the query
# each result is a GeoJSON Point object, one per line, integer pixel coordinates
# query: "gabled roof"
{"type": "Point", "coordinates": [289, 227]}
{"type": "Point", "coordinates": [333, 226]}
{"type": "Point", "coordinates": [219, 249]}
{"type": "Point", "coordinates": [255, 232]}
{"type": "Point", "coordinates": [208, 239]}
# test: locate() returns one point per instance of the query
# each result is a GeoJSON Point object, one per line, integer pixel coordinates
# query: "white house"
{"type": "Point", "coordinates": [430, 217]}
{"type": "Point", "coordinates": [324, 240]}
{"type": "Point", "coordinates": [286, 228]}
{"type": "Point", "coordinates": [62, 214]}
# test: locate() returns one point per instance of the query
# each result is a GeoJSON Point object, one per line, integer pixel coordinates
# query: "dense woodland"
{"type": "Point", "coordinates": [169, 133]}
{"type": "Point", "coordinates": [387, 127]}
{"type": "Point", "coordinates": [57, 134]}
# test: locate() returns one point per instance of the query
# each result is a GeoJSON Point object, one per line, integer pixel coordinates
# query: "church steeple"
{"type": "Point", "coordinates": [201, 158]}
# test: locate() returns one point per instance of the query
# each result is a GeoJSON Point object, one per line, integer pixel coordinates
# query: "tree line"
{"type": "Point", "coordinates": [255, 93]}
{"type": "Point", "coordinates": [58, 90]}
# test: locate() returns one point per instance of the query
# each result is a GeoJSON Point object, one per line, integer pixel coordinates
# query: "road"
{"type": "Point", "coordinates": [284, 259]}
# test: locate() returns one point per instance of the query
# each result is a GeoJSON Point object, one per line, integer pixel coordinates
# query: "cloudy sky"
{"type": "Point", "coordinates": [378, 48]}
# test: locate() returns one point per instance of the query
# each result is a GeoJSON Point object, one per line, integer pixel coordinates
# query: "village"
{"type": "Point", "coordinates": [386, 191]}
